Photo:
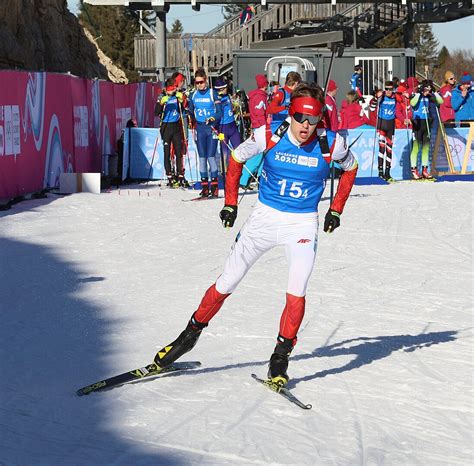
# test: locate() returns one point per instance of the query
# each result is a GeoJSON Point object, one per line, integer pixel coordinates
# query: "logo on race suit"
{"type": "Point", "coordinates": [304, 241]}
{"type": "Point", "coordinates": [33, 112]}
{"type": "Point", "coordinates": [57, 161]}
{"type": "Point", "coordinates": [303, 160]}
{"type": "Point", "coordinates": [10, 140]}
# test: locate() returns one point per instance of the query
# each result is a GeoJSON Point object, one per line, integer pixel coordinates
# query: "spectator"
{"type": "Point", "coordinates": [446, 109]}
{"type": "Point", "coordinates": [331, 106]}
{"type": "Point", "coordinates": [206, 110]}
{"type": "Point", "coordinates": [352, 113]}
{"type": "Point", "coordinates": [356, 81]}
{"type": "Point", "coordinates": [403, 110]}
{"type": "Point", "coordinates": [246, 14]}
{"type": "Point", "coordinates": [462, 99]}
{"type": "Point", "coordinates": [280, 100]}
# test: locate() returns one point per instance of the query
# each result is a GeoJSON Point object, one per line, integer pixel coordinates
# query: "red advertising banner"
{"type": "Point", "coordinates": [53, 123]}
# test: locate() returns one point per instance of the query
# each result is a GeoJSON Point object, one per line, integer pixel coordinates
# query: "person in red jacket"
{"type": "Point", "coordinates": [258, 117]}
{"type": "Point", "coordinates": [403, 110]}
{"type": "Point", "coordinates": [280, 100]}
{"type": "Point", "coordinates": [331, 106]}
{"type": "Point", "coordinates": [352, 114]}
{"type": "Point", "coordinates": [446, 110]}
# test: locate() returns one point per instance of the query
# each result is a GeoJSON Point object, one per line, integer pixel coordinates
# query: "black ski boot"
{"type": "Point", "coordinates": [183, 182]}
{"type": "Point", "coordinates": [205, 187]}
{"type": "Point", "coordinates": [214, 188]}
{"type": "Point", "coordinates": [381, 174]}
{"type": "Point", "coordinates": [387, 175]}
{"type": "Point", "coordinates": [278, 364]}
{"type": "Point", "coordinates": [184, 343]}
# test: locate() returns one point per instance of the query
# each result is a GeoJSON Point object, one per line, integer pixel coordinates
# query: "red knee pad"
{"type": "Point", "coordinates": [211, 302]}
{"type": "Point", "coordinates": [292, 316]}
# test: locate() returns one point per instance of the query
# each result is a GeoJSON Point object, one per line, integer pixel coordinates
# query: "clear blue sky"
{"type": "Point", "coordinates": [454, 35]}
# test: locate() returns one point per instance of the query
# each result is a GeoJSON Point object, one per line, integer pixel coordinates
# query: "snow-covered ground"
{"type": "Point", "coordinates": [93, 285]}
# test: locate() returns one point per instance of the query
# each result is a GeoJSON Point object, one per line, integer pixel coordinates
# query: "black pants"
{"type": "Point", "coordinates": [386, 130]}
{"type": "Point", "coordinates": [172, 133]}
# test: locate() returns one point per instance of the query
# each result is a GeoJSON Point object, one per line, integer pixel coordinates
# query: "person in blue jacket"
{"type": "Point", "coordinates": [205, 110]}
{"type": "Point", "coordinates": [384, 104]}
{"type": "Point", "coordinates": [462, 99]}
{"type": "Point", "coordinates": [169, 109]}
{"type": "Point", "coordinates": [228, 127]}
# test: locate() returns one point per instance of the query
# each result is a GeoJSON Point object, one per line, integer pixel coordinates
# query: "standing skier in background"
{"type": "Point", "coordinates": [422, 123]}
{"type": "Point", "coordinates": [294, 174]}
{"type": "Point", "coordinates": [206, 110]}
{"type": "Point", "coordinates": [446, 109]}
{"type": "Point", "coordinates": [228, 127]}
{"type": "Point", "coordinates": [384, 104]}
{"type": "Point", "coordinates": [168, 109]}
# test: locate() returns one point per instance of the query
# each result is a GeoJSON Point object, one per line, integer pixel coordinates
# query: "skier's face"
{"type": "Point", "coordinates": [301, 131]}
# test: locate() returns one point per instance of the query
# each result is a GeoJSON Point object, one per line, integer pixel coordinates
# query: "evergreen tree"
{"type": "Point", "coordinates": [114, 29]}
{"type": "Point", "coordinates": [177, 27]}
{"type": "Point", "coordinates": [426, 47]}
{"type": "Point", "coordinates": [443, 56]}
{"type": "Point", "coordinates": [232, 9]}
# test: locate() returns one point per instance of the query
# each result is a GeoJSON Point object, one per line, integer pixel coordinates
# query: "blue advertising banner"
{"type": "Point", "coordinates": [143, 152]}
{"type": "Point", "coordinates": [143, 148]}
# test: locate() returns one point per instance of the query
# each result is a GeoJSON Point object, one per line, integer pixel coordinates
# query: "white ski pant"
{"type": "Point", "coordinates": [264, 229]}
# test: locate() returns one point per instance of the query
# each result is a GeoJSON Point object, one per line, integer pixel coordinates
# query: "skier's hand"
{"type": "Point", "coordinates": [228, 215]}
{"type": "Point", "coordinates": [164, 99]}
{"type": "Point", "coordinates": [210, 121]}
{"type": "Point", "coordinates": [179, 96]}
{"type": "Point", "coordinates": [331, 221]}
{"type": "Point", "coordinates": [221, 136]}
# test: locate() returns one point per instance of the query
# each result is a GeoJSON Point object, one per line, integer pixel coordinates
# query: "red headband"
{"type": "Point", "coordinates": [306, 105]}
{"type": "Point", "coordinates": [171, 88]}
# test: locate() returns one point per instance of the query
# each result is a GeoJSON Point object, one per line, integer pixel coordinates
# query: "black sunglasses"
{"type": "Point", "coordinates": [389, 88]}
{"type": "Point", "coordinates": [199, 82]}
{"type": "Point", "coordinates": [302, 117]}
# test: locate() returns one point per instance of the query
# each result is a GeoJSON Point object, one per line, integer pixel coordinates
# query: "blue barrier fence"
{"type": "Point", "coordinates": [143, 149]}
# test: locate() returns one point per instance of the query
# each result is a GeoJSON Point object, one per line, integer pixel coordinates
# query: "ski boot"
{"type": "Point", "coordinates": [387, 175]}
{"type": "Point", "coordinates": [214, 188]}
{"type": "Point", "coordinates": [184, 343]}
{"type": "Point", "coordinates": [381, 174]}
{"type": "Point", "coordinates": [183, 182]}
{"type": "Point", "coordinates": [205, 188]}
{"type": "Point", "coordinates": [426, 174]}
{"type": "Point", "coordinates": [172, 182]}
{"type": "Point", "coordinates": [415, 175]}
{"type": "Point", "coordinates": [278, 364]}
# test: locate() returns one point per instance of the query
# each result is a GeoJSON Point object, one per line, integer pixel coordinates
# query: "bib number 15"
{"type": "Point", "coordinates": [294, 190]}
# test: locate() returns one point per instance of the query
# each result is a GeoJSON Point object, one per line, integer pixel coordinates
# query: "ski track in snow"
{"type": "Point", "coordinates": [92, 286]}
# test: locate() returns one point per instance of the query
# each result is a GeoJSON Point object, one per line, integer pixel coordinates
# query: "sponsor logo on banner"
{"type": "Point", "coordinates": [81, 126]}
{"type": "Point", "coordinates": [57, 161]}
{"type": "Point", "coordinates": [10, 143]}
{"type": "Point", "coordinates": [122, 115]}
{"type": "Point", "coordinates": [33, 111]}
{"type": "Point", "coordinates": [95, 120]}
{"type": "Point", "coordinates": [140, 104]}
